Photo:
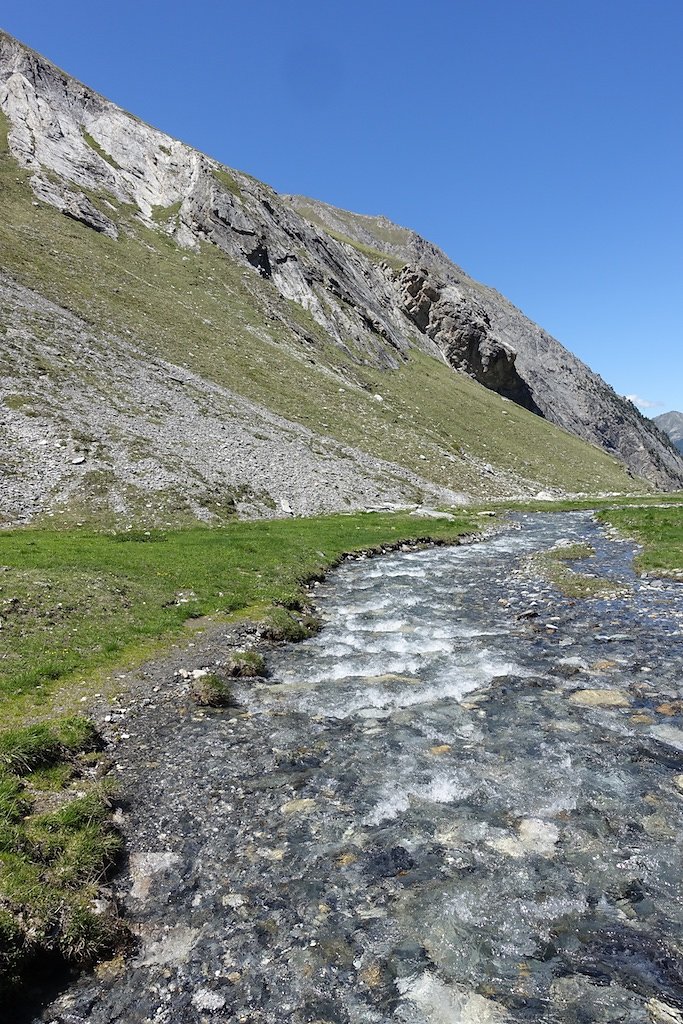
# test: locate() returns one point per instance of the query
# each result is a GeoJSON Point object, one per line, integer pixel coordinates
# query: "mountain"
{"type": "Point", "coordinates": [672, 425]}
{"type": "Point", "coordinates": [179, 340]}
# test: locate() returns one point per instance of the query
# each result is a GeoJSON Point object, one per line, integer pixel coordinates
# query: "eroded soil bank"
{"type": "Point", "coordinates": [461, 801]}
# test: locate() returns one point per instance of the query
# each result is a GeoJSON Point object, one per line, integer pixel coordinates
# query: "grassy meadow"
{"type": "Point", "coordinates": [72, 601]}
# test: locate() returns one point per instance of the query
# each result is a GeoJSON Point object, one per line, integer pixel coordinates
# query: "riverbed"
{"type": "Point", "coordinates": [462, 801]}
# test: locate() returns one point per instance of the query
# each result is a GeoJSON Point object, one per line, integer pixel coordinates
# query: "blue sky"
{"type": "Point", "coordinates": [539, 142]}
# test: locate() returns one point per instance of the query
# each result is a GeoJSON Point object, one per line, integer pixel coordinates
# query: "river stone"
{"type": "Point", "coordinates": [668, 734]}
{"type": "Point", "coordinates": [533, 836]}
{"type": "Point", "coordinates": [440, 1003]}
{"type": "Point", "coordinates": [172, 946]}
{"type": "Point", "coordinates": [601, 698]}
{"type": "Point", "coordinates": [662, 1013]}
{"type": "Point", "coordinates": [205, 999]}
{"type": "Point", "coordinates": [304, 806]}
{"type": "Point", "coordinates": [144, 867]}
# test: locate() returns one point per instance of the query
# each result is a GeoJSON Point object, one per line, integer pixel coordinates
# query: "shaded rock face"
{"type": "Point", "coordinates": [464, 334]}
{"type": "Point", "coordinates": [77, 145]}
{"type": "Point", "coordinates": [672, 425]}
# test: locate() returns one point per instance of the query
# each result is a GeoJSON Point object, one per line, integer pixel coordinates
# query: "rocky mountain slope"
{"type": "Point", "coordinates": [553, 381]}
{"type": "Point", "coordinates": [672, 425]}
{"type": "Point", "coordinates": [180, 340]}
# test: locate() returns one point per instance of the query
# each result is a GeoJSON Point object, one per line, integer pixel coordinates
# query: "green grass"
{"type": "Point", "coordinates": [202, 310]}
{"type": "Point", "coordinates": [585, 504]}
{"type": "Point", "coordinates": [94, 145]}
{"type": "Point", "coordinates": [367, 250]}
{"type": "Point", "coordinates": [659, 530]}
{"type": "Point", "coordinates": [52, 862]}
{"type": "Point", "coordinates": [75, 600]}
{"type": "Point", "coordinates": [228, 182]}
{"type": "Point", "coordinates": [162, 214]}
{"type": "Point", "coordinates": [553, 566]}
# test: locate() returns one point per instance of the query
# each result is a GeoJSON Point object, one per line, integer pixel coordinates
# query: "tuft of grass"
{"type": "Point", "coordinates": [94, 145]}
{"type": "Point", "coordinates": [210, 691]}
{"type": "Point", "coordinates": [52, 864]}
{"type": "Point", "coordinates": [44, 745]}
{"type": "Point", "coordinates": [659, 530]}
{"type": "Point", "coordinates": [286, 626]}
{"type": "Point", "coordinates": [244, 665]}
{"type": "Point", "coordinates": [572, 552]}
{"type": "Point", "coordinates": [24, 750]}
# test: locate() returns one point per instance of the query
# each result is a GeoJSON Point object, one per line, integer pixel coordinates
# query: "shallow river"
{"type": "Point", "coordinates": [429, 814]}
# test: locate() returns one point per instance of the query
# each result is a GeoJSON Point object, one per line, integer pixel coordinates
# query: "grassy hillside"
{"type": "Point", "coordinates": [208, 313]}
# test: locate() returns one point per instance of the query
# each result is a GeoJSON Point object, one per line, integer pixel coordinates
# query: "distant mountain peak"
{"type": "Point", "coordinates": [672, 424]}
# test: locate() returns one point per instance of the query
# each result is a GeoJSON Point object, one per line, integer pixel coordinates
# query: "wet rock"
{"type": "Point", "coordinates": [668, 734]}
{"type": "Point", "coordinates": [445, 1004]}
{"type": "Point", "coordinates": [303, 806]}
{"type": "Point", "coordinates": [206, 999]}
{"type": "Point", "coordinates": [662, 1013]}
{"type": "Point", "coordinates": [388, 863]}
{"type": "Point", "coordinates": [601, 698]}
{"type": "Point", "coordinates": [146, 869]}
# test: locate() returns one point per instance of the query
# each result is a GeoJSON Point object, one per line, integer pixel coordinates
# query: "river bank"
{"type": "Point", "coordinates": [340, 843]}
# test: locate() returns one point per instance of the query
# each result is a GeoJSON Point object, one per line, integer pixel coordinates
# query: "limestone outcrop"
{"type": "Point", "coordinates": [463, 332]}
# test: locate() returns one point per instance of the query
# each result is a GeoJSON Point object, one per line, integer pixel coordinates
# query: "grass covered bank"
{"type": "Point", "coordinates": [75, 601]}
{"type": "Point", "coordinates": [57, 845]}
{"type": "Point", "coordinates": [659, 530]}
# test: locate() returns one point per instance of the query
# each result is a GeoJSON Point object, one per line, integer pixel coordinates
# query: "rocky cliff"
{"type": "Point", "coordinates": [672, 425]}
{"type": "Point", "coordinates": [174, 327]}
{"type": "Point", "coordinates": [554, 382]}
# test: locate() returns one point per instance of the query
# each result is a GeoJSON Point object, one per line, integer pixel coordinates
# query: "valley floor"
{"type": "Point", "coordinates": [74, 603]}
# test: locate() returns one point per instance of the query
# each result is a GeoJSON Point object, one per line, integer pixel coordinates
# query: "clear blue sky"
{"type": "Point", "coordinates": [539, 142]}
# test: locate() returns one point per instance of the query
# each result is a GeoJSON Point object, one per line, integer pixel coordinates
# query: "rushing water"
{"type": "Point", "coordinates": [429, 815]}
